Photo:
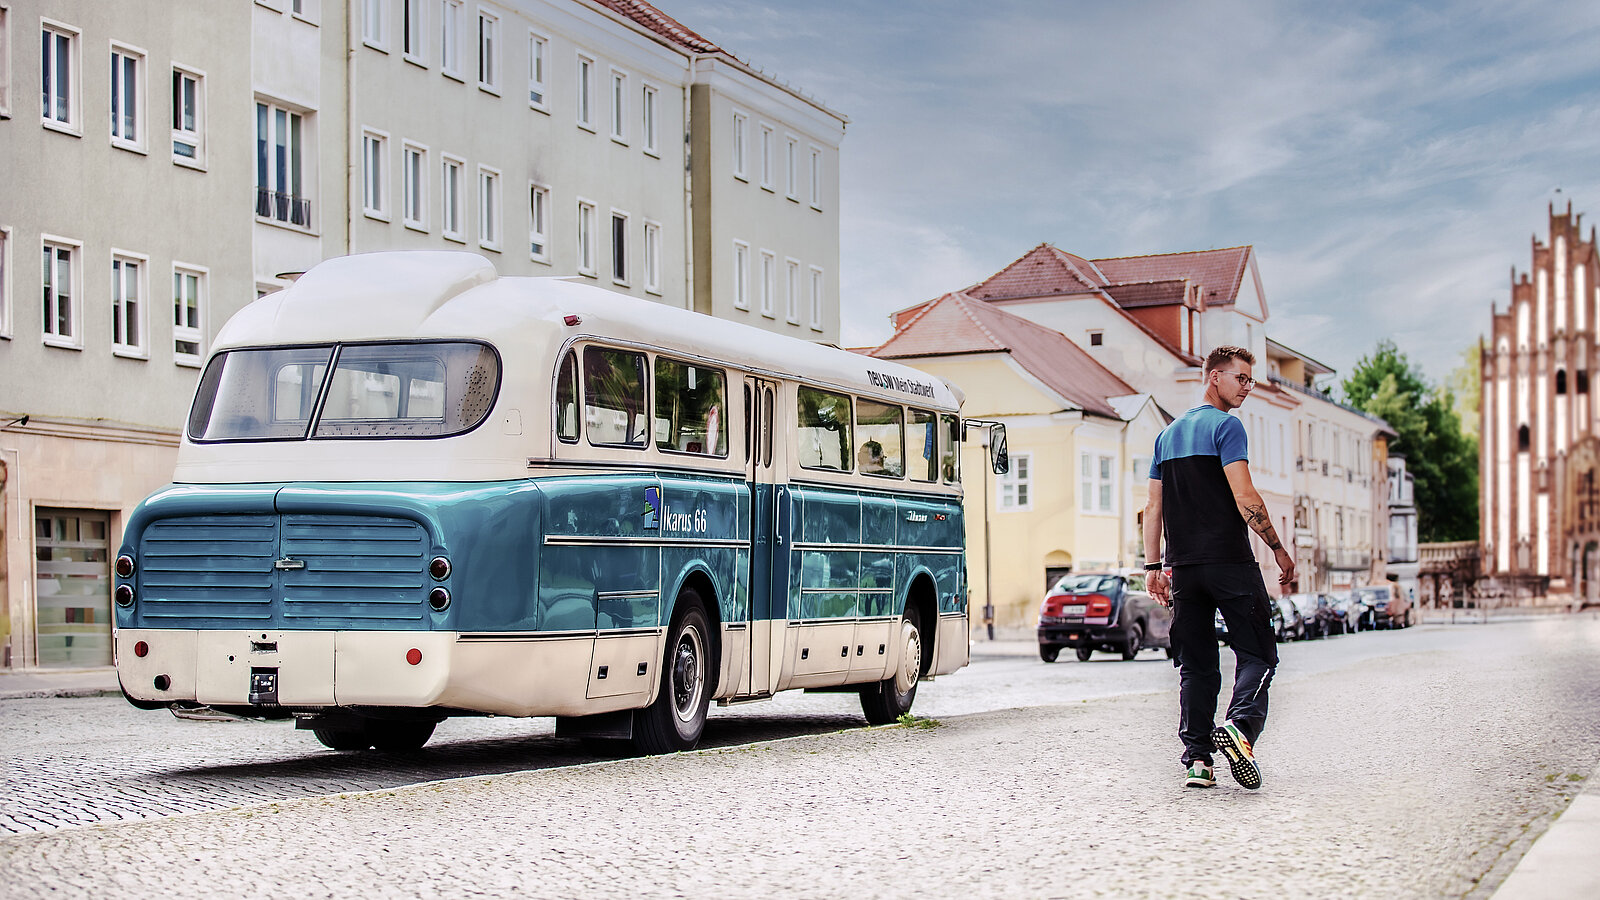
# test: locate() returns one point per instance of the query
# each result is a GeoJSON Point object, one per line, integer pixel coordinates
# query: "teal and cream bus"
{"type": "Point", "coordinates": [410, 489]}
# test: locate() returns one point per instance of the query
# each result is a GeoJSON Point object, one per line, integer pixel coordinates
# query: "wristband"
{"type": "Point", "coordinates": [1152, 566]}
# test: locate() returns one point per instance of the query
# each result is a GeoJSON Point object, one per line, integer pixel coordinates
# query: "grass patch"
{"type": "Point", "coordinates": [907, 720]}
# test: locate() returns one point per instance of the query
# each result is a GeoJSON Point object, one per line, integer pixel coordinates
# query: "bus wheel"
{"type": "Point", "coordinates": [343, 738]}
{"type": "Point", "coordinates": [678, 716]}
{"type": "Point", "coordinates": [399, 737]}
{"type": "Point", "coordinates": [889, 699]}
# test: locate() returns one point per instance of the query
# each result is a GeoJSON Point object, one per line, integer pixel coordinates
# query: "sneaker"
{"type": "Point", "coordinates": [1200, 775]}
{"type": "Point", "coordinates": [1241, 761]}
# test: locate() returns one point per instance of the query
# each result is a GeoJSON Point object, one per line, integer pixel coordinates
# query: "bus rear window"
{"type": "Point", "coordinates": [824, 430]}
{"type": "Point", "coordinates": [950, 450]}
{"type": "Point", "coordinates": [922, 446]}
{"type": "Point", "coordinates": [427, 389]}
{"type": "Point", "coordinates": [879, 428]}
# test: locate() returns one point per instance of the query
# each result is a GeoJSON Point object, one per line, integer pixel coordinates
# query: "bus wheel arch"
{"type": "Point", "coordinates": [676, 718]}
{"type": "Point", "coordinates": [923, 596]}
{"type": "Point", "coordinates": [699, 581]}
{"type": "Point", "coordinates": [884, 702]}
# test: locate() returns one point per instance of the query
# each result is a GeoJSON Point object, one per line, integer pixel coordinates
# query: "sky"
{"type": "Point", "coordinates": [1389, 161]}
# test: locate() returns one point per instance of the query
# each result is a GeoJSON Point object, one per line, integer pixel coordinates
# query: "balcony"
{"type": "Point", "coordinates": [1344, 559]}
{"type": "Point", "coordinates": [290, 208]}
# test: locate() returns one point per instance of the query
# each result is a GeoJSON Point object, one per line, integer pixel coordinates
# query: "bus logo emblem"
{"type": "Point", "coordinates": [652, 508]}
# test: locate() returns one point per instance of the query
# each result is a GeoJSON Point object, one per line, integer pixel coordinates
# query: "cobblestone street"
{"type": "Point", "coordinates": [1420, 763]}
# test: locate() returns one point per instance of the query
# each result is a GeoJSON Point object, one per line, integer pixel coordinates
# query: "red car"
{"type": "Point", "coordinates": [1107, 611]}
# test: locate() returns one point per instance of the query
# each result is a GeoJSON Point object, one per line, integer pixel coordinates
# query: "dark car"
{"type": "Point", "coordinates": [1358, 613]}
{"type": "Point", "coordinates": [1317, 611]}
{"type": "Point", "coordinates": [1288, 624]}
{"type": "Point", "coordinates": [1102, 611]}
{"type": "Point", "coordinates": [1391, 607]}
{"type": "Point", "coordinates": [1275, 619]}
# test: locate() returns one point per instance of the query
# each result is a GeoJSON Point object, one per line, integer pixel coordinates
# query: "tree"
{"type": "Point", "coordinates": [1442, 460]}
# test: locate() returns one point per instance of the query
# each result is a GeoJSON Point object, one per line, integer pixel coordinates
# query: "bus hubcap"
{"type": "Point", "coordinates": [686, 683]}
{"type": "Point", "coordinates": [910, 659]}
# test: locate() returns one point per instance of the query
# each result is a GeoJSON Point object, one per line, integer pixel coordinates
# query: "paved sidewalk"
{"type": "Point", "coordinates": [58, 683]}
{"type": "Point", "coordinates": [1561, 862]}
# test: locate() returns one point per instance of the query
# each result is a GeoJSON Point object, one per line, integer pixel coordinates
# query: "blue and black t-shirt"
{"type": "Point", "coordinates": [1202, 520]}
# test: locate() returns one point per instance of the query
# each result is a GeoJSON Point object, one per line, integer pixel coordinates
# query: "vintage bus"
{"type": "Point", "coordinates": [410, 489]}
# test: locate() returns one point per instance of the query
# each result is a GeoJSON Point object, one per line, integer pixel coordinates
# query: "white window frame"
{"type": "Point", "coordinates": [1015, 484]}
{"type": "Point", "coordinates": [118, 94]}
{"type": "Point", "coordinates": [374, 24]}
{"type": "Point", "coordinates": [652, 257]}
{"type": "Point", "coordinates": [619, 106]}
{"type": "Point", "coordinates": [818, 289]}
{"type": "Point", "coordinates": [585, 95]}
{"type": "Point", "coordinates": [739, 145]}
{"type": "Point", "coordinates": [414, 31]}
{"type": "Point", "coordinates": [741, 275]}
{"type": "Point", "coordinates": [295, 150]}
{"type": "Point", "coordinates": [489, 208]}
{"type": "Point", "coordinates": [769, 283]}
{"type": "Point", "coordinates": [791, 299]}
{"type": "Point", "coordinates": [586, 237]}
{"type": "Point", "coordinates": [139, 347]}
{"type": "Point", "coordinates": [816, 177]}
{"type": "Point", "coordinates": [6, 242]}
{"type": "Point", "coordinates": [1097, 489]}
{"type": "Point", "coordinates": [538, 222]}
{"type": "Point", "coordinates": [49, 115]}
{"type": "Point", "coordinates": [766, 157]}
{"type": "Point", "coordinates": [195, 138]}
{"type": "Point", "coordinates": [649, 116]}
{"type": "Point", "coordinates": [197, 332]}
{"type": "Point", "coordinates": [453, 204]}
{"type": "Point", "coordinates": [414, 179]}
{"type": "Point", "coordinates": [375, 174]}
{"type": "Point", "coordinates": [305, 10]}
{"type": "Point", "coordinates": [538, 66]}
{"type": "Point", "coordinates": [450, 13]}
{"type": "Point", "coordinates": [74, 340]}
{"type": "Point", "coordinates": [791, 167]}
{"type": "Point", "coordinates": [625, 276]}
{"type": "Point", "coordinates": [489, 52]}
{"type": "Point", "coordinates": [5, 63]}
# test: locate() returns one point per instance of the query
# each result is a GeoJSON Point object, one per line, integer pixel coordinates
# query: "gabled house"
{"type": "Point", "coordinates": [1079, 436]}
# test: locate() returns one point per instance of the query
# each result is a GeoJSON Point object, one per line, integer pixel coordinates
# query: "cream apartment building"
{"type": "Point", "coordinates": [181, 159]}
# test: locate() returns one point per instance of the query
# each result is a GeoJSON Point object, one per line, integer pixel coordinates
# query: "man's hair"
{"type": "Point", "coordinates": [1220, 356]}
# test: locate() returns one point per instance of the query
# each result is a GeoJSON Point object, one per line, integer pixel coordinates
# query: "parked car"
{"type": "Point", "coordinates": [1276, 619]}
{"type": "Point", "coordinates": [1391, 608]}
{"type": "Point", "coordinates": [1108, 611]}
{"type": "Point", "coordinates": [1316, 610]}
{"type": "Point", "coordinates": [1289, 625]}
{"type": "Point", "coordinates": [1358, 613]}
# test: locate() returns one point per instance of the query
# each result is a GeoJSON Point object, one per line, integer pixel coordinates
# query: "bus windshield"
{"type": "Point", "coordinates": [410, 390]}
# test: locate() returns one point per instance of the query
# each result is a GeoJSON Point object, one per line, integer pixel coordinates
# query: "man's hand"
{"type": "Point", "coordinates": [1286, 567]}
{"type": "Point", "coordinates": [1159, 586]}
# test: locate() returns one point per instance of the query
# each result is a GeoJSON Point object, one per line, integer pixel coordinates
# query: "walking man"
{"type": "Point", "coordinates": [1202, 500]}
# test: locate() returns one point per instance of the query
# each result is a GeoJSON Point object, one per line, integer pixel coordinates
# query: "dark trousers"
{"type": "Point", "coordinates": [1198, 592]}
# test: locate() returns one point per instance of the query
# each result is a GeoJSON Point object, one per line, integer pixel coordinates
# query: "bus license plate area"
{"type": "Point", "coordinates": [264, 686]}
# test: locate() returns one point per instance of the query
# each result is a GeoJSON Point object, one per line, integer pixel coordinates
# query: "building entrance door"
{"type": "Point", "coordinates": [73, 587]}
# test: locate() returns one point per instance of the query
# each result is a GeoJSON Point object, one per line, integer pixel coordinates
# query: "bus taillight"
{"type": "Point", "coordinates": [439, 568]}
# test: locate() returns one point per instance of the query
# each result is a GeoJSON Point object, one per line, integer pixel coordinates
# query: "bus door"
{"type": "Point", "coordinates": [765, 426]}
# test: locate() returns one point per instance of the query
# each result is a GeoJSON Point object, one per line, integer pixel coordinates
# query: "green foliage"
{"type": "Point", "coordinates": [1442, 459]}
{"type": "Point", "coordinates": [907, 720]}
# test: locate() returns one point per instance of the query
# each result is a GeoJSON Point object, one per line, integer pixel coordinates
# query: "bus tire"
{"type": "Point", "coordinates": [677, 718]}
{"type": "Point", "coordinates": [886, 701]}
{"type": "Point", "coordinates": [343, 738]}
{"type": "Point", "coordinates": [399, 737]}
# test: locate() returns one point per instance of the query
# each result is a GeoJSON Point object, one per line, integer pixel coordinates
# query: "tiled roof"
{"type": "Point", "coordinates": [1148, 293]}
{"type": "Point", "coordinates": [957, 324]}
{"type": "Point", "coordinates": [661, 23]}
{"type": "Point", "coordinates": [1218, 272]}
{"type": "Point", "coordinates": [1041, 272]}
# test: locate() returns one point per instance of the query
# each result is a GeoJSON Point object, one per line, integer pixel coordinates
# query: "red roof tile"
{"type": "Point", "coordinates": [1041, 272]}
{"type": "Point", "coordinates": [958, 324]}
{"type": "Point", "coordinates": [1148, 293]}
{"type": "Point", "coordinates": [1218, 272]}
{"type": "Point", "coordinates": [661, 23]}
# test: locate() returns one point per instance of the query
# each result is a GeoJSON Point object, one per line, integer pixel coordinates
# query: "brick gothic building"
{"type": "Point", "coordinates": [1540, 450]}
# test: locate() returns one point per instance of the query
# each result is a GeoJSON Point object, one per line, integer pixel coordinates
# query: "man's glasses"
{"type": "Point", "coordinates": [1244, 380]}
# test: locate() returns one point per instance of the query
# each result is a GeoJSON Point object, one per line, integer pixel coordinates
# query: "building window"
{"type": "Point", "coordinates": [488, 208]}
{"type": "Point", "coordinates": [279, 137]}
{"type": "Point", "coordinates": [1097, 338]}
{"type": "Point", "coordinates": [740, 123]}
{"type": "Point", "coordinates": [791, 295]}
{"type": "Point", "coordinates": [1014, 490]}
{"type": "Point", "coordinates": [741, 275]}
{"type": "Point", "coordinates": [127, 98]}
{"type": "Point", "coordinates": [450, 38]}
{"type": "Point", "coordinates": [60, 281]}
{"type": "Point", "coordinates": [488, 52]}
{"type": "Point", "coordinates": [1561, 381]}
{"type": "Point", "coordinates": [1583, 381]}
{"type": "Point", "coordinates": [766, 157]}
{"type": "Point", "coordinates": [412, 29]}
{"type": "Point", "coordinates": [188, 116]}
{"type": "Point", "coordinates": [619, 106]}
{"type": "Point", "coordinates": [648, 125]}
{"type": "Point", "coordinates": [188, 316]}
{"type": "Point", "coordinates": [1097, 482]}
{"type": "Point", "coordinates": [5, 273]}
{"type": "Point", "coordinates": [652, 257]}
{"type": "Point", "coordinates": [585, 92]}
{"type": "Point", "coordinates": [59, 73]}
{"type": "Point", "coordinates": [791, 168]}
{"type": "Point", "coordinates": [816, 178]}
{"type": "Point", "coordinates": [538, 50]}
{"type": "Point", "coordinates": [816, 299]}
{"type": "Point", "coordinates": [414, 176]}
{"type": "Point", "coordinates": [539, 222]}
{"type": "Point", "coordinates": [127, 305]}
{"type": "Point", "coordinates": [769, 283]}
{"type": "Point", "coordinates": [586, 237]}
{"type": "Point", "coordinates": [374, 174]}
{"type": "Point", "coordinates": [372, 23]}
{"type": "Point", "coordinates": [5, 64]}
{"type": "Point", "coordinates": [452, 199]}
{"type": "Point", "coordinates": [1523, 443]}
{"type": "Point", "coordinates": [619, 247]}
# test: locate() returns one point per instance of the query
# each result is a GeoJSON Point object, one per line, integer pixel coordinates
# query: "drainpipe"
{"type": "Point", "coordinates": [14, 477]}
{"type": "Point", "coordinates": [349, 124]}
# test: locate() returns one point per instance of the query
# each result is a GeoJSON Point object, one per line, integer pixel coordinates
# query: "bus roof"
{"type": "Point", "coordinates": [410, 295]}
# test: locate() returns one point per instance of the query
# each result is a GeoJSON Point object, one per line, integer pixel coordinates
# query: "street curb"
{"type": "Point", "coordinates": [39, 693]}
{"type": "Point", "coordinates": [1560, 863]}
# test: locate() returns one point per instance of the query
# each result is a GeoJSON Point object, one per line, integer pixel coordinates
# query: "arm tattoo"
{"type": "Point", "coordinates": [1256, 517]}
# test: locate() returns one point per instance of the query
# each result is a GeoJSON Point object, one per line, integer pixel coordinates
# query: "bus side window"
{"type": "Point", "coordinates": [567, 399]}
{"type": "Point", "coordinates": [689, 408]}
{"type": "Point", "coordinates": [922, 440]}
{"type": "Point", "coordinates": [749, 425]}
{"type": "Point", "coordinates": [880, 428]}
{"type": "Point", "coordinates": [950, 458]}
{"type": "Point", "coordinates": [614, 397]}
{"type": "Point", "coordinates": [823, 429]}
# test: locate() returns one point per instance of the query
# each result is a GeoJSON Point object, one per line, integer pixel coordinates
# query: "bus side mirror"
{"type": "Point", "coordinates": [999, 457]}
